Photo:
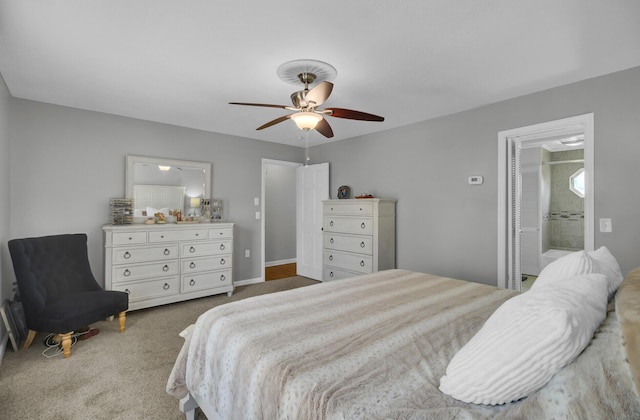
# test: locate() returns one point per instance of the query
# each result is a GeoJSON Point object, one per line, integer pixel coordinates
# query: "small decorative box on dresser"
{"type": "Point", "coordinates": [166, 263]}
{"type": "Point", "coordinates": [359, 237]}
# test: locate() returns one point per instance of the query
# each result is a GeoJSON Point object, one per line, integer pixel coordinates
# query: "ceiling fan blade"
{"type": "Point", "coordinates": [274, 122]}
{"type": "Point", "coordinates": [319, 94]}
{"type": "Point", "coordinates": [265, 105]}
{"type": "Point", "coordinates": [350, 114]}
{"type": "Point", "coordinates": [324, 128]}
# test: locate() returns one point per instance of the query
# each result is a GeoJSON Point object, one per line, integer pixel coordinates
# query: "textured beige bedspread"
{"type": "Point", "coordinates": [376, 346]}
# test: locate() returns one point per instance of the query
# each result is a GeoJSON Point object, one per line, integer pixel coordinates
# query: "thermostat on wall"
{"type": "Point", "coordinates": [475, 180]}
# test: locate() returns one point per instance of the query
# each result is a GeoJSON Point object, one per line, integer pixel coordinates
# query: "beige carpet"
{"type": "Point", "coordinates": [112, 375]}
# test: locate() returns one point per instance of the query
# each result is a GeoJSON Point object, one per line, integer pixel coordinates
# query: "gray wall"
{"type": "Point", "coordinates": [67, 163]}
{"type": "Point", "coordinates": [447, 227]}
{"type": "Point", "coordinates": [5, 262]}
{"type": "Point", "coordinates": [280, 213]}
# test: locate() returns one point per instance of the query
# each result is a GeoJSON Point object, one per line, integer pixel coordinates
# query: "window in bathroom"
{"type": "Point", "coordinates": [576, 182]}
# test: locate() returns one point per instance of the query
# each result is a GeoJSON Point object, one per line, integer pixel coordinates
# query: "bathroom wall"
{"type": "Point", "coordinates": [566, 209]}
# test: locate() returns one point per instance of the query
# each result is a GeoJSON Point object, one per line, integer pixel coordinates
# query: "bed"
{"type": "Point", "coordinates": [380, 346]}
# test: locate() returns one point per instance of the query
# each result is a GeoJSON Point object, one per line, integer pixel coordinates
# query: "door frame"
{"type": "Point", "coordinates": [509, 139]}
{"type": "Point", "coordinates": [263, 193]}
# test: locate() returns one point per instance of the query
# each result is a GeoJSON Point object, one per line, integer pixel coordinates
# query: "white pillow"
{"type": "Point", "coordinates": [607, 265]}
{"type": "Point", "coordinates": [526, 341]}
{"type": "Point", "coordinates": [568, 266]}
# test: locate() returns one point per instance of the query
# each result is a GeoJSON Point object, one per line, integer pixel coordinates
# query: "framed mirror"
{"type": "Point", "coordinates": [160, 183]}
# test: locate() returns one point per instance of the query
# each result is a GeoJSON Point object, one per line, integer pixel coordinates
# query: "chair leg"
{"type": "Point", "coordinates": [121, 319]}
{"type": "Point", "coordinates": [29, 340]}
{"type": "Point", "coordinates": [66, 344]}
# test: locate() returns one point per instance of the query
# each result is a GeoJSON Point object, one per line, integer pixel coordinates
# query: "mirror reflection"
{"type": "Point", "coordinates": [160, 185]}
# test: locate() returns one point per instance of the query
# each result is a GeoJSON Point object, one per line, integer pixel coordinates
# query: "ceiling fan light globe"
{"type": "Point", "coordinates": [306, 120]}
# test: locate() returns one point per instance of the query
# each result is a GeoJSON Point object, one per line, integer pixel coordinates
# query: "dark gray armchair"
{"type": "Point", "coordinates": [58, 291]}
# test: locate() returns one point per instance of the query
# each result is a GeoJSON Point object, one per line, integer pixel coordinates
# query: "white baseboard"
{"type": "Point", "coordinates": [280, 262]}
{"type": "Point", "coordinates": [248, 281]}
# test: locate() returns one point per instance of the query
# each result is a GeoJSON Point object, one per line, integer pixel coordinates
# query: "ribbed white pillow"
{"type": "Point", "coordinates": [526, 341]}
{"type": "Point", "coordinates": [570, 265]}
{"type": "Point", "coordinates": [607, 264]}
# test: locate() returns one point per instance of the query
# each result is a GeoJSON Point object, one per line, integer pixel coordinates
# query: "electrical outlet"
{"type": "Point", "coordinates": [256, 201]}
{"type": "Point", "coordinates": [257, 215]}
{"type": "Point", "coordinates": [247, 253]}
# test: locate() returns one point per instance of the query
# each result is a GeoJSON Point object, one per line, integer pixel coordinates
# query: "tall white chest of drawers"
{"type": "Point", "coordinates": [159, 264]}
{"type": "Point", "coordinates": [359, 237]}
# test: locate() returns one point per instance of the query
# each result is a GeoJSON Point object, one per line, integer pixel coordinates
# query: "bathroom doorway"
{"type": "Point", "coordinates": [545, 197]}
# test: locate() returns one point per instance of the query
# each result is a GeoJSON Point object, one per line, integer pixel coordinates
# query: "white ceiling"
{"type": "Point", "coordinates": [181, 62]}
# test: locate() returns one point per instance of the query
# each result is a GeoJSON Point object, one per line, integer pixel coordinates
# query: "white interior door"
{"type": "Point", "coordinates": [312, 186]}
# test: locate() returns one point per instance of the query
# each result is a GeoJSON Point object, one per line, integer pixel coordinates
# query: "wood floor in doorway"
{"type": "Point", "coordinates": [280, 271]}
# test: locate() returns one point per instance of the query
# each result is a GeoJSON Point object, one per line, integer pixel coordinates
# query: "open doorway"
{"type": "Point", "coordinates": [279, 218]}
{"type": "Point", "coordinates": [536, 224]}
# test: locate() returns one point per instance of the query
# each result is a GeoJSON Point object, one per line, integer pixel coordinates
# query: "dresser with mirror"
{"type": "Point", "coordinates": [160, 263]}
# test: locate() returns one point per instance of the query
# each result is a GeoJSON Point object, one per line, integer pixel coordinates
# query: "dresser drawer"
{"type": "Point", "coordinates": [177, 235]}
{"type": "Point", "coordinates": [350, 243]}
{"type": "Point", "coordinates": [129, 238]}
{"type": "Point", "coordinates": [136, 255]}
{"type": "Point", "coordinates": [197, 249]}
{"type": "Point", "coordinates": [202, 281]}
{"type": "Point", "coordinates": [332, 273]}
{"type": "Point", "coordinates": [348, 261]}
{"type": "Point", "coordinates": [221, 233]}
{"type": "Point", "coordinates": [125, 273]}
{"type": "Point", "coordinates": [195, 265]}
{"type": "Point", "coordinates": [142, 290]}
{"type": "Point", "coordinates": [355, 225]}
{"type": "Point", "coordinates": [347, 208]}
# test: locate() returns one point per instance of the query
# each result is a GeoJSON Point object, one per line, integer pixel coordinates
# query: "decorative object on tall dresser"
{"type": "Point", "coordinates": [121, 211]}
{"type": "Point", "coordinates": [58, 291]}
{"type": "Point", "coordinates": [359, 237]}
{"type": "Point", "coordinates": [160, 264]}
{"type": "Point", "coordinates": [344, 192]}
{"type": "Point", "coordinates": [205, 210]}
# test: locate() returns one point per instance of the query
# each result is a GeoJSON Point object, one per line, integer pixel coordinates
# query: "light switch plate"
{"type": "Point", "coordinates": [256, 201]}
{"type": "Point", "coordinates": [606, 225]}
{"type": "Point", "coordinates": [475, 180]}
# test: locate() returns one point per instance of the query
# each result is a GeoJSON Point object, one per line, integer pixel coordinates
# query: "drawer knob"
{"type": "Point", "coordinates": [222, 247]}
{"type": "Point", "coordinates": [330, 257]}
{"type": "Point", "coordinates": [222, 277]}
{"type": "Point", "coordinates": [222, 261]}
{"type": "Point", "coordinates": [166, 286]}
{"type": "Point", "coordinates": [127, 255]}
{"type": "Point", "coordinates": [362, 225]}
{"type": "Point", "coordinates": [165, 268]}
{"type": "Point", "coordinates": [361, 263]}
{"type": "Point", "coordinates": [192, 282]}
{"type": "Point", "coordinates": [192, 265]}
{"type": "Point", "coordinates": [362, 244]}
{"type": "Point", "coordinates": [166, 251]}
{"type": "Point", "coordinates": [360, 208]}
{"type": "Point", "coordinates": [127, 291]}
{"type": "Point", "coordinates": [331, 223]}
{"type": "Point", "coordinates": [192, 250]}
{"type": "Point", "coordinates": [130, 238]}
{"type": "Point", "coordinates": [331, 240]}
{"type": "Point", "coordinates": [197, 234]}
{"type": "Point", "coordinates": [162, 236]}
{"type": "Point", "coordinates": [331, 274]}
{"type": "Point", "coordinates": [127, 273]}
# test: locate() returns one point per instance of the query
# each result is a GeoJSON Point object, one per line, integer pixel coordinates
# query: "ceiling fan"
{"type": "Point", "coordinates": [306, 102]}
